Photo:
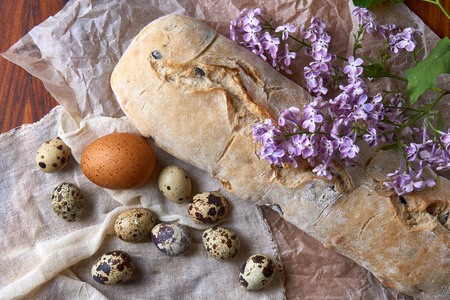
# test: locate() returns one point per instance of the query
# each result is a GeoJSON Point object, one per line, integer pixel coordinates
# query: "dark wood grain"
{"type": "Point", "coordinates": [23, 98]}
{"type": "Point", "coordinates": [432, 15]}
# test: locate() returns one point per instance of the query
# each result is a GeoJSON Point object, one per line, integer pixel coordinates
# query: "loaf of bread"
{"type": "Point", "coordinates": [198, 94]}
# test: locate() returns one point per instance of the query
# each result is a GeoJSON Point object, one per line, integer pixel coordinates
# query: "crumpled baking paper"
{"type": "Point", "coordinates": [74, 53]}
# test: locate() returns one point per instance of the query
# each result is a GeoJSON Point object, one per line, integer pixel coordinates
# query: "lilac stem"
{"type": "Point", "coordinates": [419, 115]}
{"type": "Point", "coordinates": [438, 3]}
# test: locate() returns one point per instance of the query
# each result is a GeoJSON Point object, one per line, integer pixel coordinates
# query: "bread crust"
{"type": "Point", "coordinates": [199, 96]}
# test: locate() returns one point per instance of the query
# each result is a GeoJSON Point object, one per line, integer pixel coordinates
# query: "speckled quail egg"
{"type": "Point", "coordinates": [113, 268]}
{"type": "Point", "coordinates": [171, 238]}
{"type": "Point", "coordinates": [175, 184]}
{"type": "Point", "coordinates": [134, 224]}
{"type": "Point", "coordinates": [207, 208]}
{"type": "Point", "coordinates": [221, 243]}
{"type": "Point", "coordinates": [67, 202]}
{"type": "Point", "coordinates": [257, 272]}
{"type": "Point", "coordinates": [53, 155]}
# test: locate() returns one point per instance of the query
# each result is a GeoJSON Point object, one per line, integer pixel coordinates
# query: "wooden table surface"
{"type": "Point", "coordinates": [23, 98]}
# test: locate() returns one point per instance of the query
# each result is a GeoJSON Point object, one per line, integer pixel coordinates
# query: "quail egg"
{"type": "Point", "coordinates": [53, 155]}
{"type": "Point", "coordinates": [207, 208]}
{"type": "Point", "coordinates": [134, 224]}
{"type": "Point", "coordinates": [171, 238]}
{"type": "Point", "coordinates": [257, 272]}
{"type": "Point", "coordinates": [221, 243]}
{"type": "Point", "coordinates": [67, 202]}
{"type": "Point", "coordinates": [175, 184]}
{"type": "Point", "coordinates": [113, 268]}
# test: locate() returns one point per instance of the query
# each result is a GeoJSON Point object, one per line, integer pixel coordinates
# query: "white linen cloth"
{"type": "Point", "coordinates": [43, 257]}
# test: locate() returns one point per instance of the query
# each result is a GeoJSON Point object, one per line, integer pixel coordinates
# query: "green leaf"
{"type": "Point", "coordinates": [371, 3]}
{"type": "Point", "coordinates": [388, 147]}
{"type": "Point", "coordinates": [367, 3]}
{"type": "Point", "coordinates": [376, 71]}
{"type": "Point", "coordinates": [423, 76]}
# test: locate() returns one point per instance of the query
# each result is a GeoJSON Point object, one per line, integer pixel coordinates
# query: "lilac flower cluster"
{"type": "Point", "coordinates": [406, 182]}
{"type": "Point", "coordinates": [404, 40]}
{"type": "Point", "coordinates": [247, 30]}
{"type": "Point", "coordinates": [431, 152]}
{"type": "Point", "coordinates": [398, 39]}
{"type": "Point", "coordinates": [319, 71]}
{"type": "Point", "coordinates": [328, 130]}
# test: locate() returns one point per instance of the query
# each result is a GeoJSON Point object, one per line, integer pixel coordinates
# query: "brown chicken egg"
{"type": "Point", "coordinates": [118, 161]}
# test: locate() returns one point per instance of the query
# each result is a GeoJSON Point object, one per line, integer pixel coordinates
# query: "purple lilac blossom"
{"type": "Point", "coordinates": [288, 55]}
{"type": "Point", "coordinates": [407, 181]}
{"type": "Point", "coordinates": [366, 20]}
{"type": "Point", "coordinates": [319, 71]}
{"type": "Point", "coordinates": [289, 115]}
{"type": "Point", "coordinates": [398, 39]}
{"type": "Point", "coordinates": [363, 14]}
{"type": "Point", "coordinates": [348, 148]}
{"type": "Point", "coordinates": [404, 40]}
{"type": "Point", "coordinates": [435, 154]}
{"type": "Point", "coordinates": [270, 44]}
{"type": "Point", "coordinates": [429, 153]}
{"type": "Point", "coordinates": [371, 137]}
{"type": "Point", "coordinates": [322, 170]}
{"type": "Point", "coordinates": [251, 33]}
{"type": "Point", "coordinates": [251, 18]}
{"type": "Point", "coordinates": [247, 30]}
{"type": "Point", "coordinates": [285, 30]}
{"type": "Point", "coordinates": [389, 29]}
{"type": "Point", "coordinates": [353, 68]}
{"type": "Point", "coordinates": [313, 137]}
{"type": "Point", "coordinates": [326, 129]}
{"type": "Point", "coordinates": [445, 139]}
{"type": "Point", "coordinates": [412, 150]}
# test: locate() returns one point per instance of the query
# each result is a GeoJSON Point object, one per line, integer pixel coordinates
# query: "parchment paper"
{"type": "Point", "coordinates": [74, 53]}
